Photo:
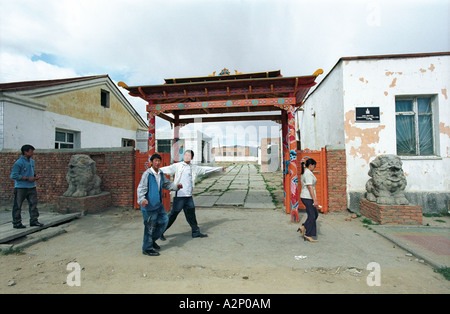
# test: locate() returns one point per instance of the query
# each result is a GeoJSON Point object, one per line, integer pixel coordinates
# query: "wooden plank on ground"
{"type": "Point", "coordinates": [8, 233]}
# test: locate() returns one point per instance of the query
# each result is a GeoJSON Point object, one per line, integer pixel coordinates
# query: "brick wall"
{"type": "Point", "coordinates": [114, 166]}
{"type": "Point", "coordinates": [391, 214]}
{"type": "Point", "coordinates": [337, 180]}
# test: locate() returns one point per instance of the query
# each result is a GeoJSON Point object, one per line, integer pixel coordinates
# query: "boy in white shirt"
{"type": "Point", "coordinates": [186, 173]}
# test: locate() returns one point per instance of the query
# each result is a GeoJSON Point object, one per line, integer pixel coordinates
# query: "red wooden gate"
{"type": "Point", "coordinates": [320, 156]}
{"type": "Point", "coordinates": [141, 165]}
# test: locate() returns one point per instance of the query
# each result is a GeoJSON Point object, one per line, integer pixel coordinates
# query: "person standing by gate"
{"type": "Point", "coordinates": [186, 173]}
{"type": "Point", "coordinates": [309, 199]}
{"type": "Point", "coordinates": [149, 196]}
{"type": "Point", "coordinates": [25, 188]}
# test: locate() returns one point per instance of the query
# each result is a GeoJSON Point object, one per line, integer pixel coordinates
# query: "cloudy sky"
{"type": "Point", "coordinates": [141, 42]}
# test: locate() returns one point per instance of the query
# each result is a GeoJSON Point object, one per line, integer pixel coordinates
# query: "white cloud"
{"type": "Point", "coordinates": [145, 41]}
{"type": "Point", "coordinates": [16, 68]}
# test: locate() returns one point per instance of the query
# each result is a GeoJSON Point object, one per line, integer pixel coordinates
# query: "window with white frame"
{"type": "Point", "coordinates": [414, 126]}
{"type": "Point", "coordinates": [64, 139]}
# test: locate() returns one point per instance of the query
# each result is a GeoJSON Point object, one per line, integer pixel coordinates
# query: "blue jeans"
{"type": "Point", "coordinates": [155, 222]}
{"type": "Point", "coordinates": [187, 205]}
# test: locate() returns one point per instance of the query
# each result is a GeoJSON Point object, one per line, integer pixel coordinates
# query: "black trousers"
{"type": "Point", "coordinates": [20, 194]}
{"type": "Point", "coordinates": [187, 205]}
{"type": "Point", "coordinates": [313, 213]}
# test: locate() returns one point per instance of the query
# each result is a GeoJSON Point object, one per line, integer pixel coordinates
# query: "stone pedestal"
{"type": "Point", "coordinates": [84, 205]}
{"type": "Point", "coordinates": [391, 214]}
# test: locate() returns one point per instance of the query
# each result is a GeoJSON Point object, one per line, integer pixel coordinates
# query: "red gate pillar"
{"type": "Point", "coordinates": [151, 132]}
{"type": "Point", "coordinates": [292, 168]}
{"type": "Point", "coordinates": [285, 143]}
{"type": "Point", "coordinates": [176, 138]}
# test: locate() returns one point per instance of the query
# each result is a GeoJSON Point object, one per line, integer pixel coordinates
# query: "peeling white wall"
{"type": "Point", "coordinates": [329, 116]}
{"type": "Point", "coordinates": [376, 83]}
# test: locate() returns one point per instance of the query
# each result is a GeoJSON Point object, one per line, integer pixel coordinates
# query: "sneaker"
{"type": "Point", "coordinates": [150, 253]}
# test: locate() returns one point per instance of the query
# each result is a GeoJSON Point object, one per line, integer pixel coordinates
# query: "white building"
{"type": "Point", "coordinates": [392, 104]}
{"type": "Point", "coordinates": [193, 140]}
{"type": "Point", "coordinates": [83, 112]}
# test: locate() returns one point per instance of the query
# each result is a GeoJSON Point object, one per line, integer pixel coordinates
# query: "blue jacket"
{"type": "Point", "coordinates": [154, 196]}
{"type": "Point", "coordinates": [23, 168]}
{"type": "Point", "coordinates": [148, 190]}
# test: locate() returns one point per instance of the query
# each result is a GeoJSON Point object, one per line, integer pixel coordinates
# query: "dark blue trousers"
{"type": "Point", "coordinates": [155, 222]}
{"type": "Point", "coordinates": [313, 213]}
{"type": "Point", "coordinates": [187, 205]}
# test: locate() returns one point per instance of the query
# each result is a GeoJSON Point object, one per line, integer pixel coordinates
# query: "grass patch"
{"type": "Point", "coordinates": [443, 213]}
{"type": "Point", "coordinates": [272, 194]}
{"type": "Point", "coordinates": [367, 221]}
{"type": "Point", "coordinates": [444, 272]}
{"type": "Point", "coordinates": [11, 251]}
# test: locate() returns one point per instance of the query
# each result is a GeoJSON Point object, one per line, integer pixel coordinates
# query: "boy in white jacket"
{"type": "Point", "coordinates": [186, 173]}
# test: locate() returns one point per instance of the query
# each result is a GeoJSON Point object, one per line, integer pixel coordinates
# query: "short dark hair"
{"type": "Point", "coordinates": [26, 148]}
{"type": "Point", "coordinates": [158, 156]}
{"type": "Point", "coordinates": [192, 153]}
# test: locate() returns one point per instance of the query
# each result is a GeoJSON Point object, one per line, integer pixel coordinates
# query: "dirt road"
{"type": "Point", "coordinates": [247, 251]}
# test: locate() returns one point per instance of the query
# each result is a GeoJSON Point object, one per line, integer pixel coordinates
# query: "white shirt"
{"type": "Point", "coordinates": [157, 177]}
{"type": "Point", "coordinates": [177, 168]}
{"type": "Point", "coordinates": [186, 181]}
{"type": "Point", "coordinates": [308, 178]}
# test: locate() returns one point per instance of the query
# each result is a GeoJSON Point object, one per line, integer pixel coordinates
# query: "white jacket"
{"type": "Point", "coordinates": [177, 168]}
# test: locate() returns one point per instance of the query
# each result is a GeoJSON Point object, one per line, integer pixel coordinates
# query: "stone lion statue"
{"type": "Point", "coordinates": [82, 177]}
{"type": "Point", "coordinates": [387, 182]}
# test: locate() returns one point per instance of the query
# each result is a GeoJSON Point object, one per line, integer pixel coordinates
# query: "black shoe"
{"type": "Point", "coordinates": [150, 253]}
{"type": "Point", "coordinates": [36, 224]}
{"type": "Point", "coordinates": [200, 235]}
{"type": "Point", "coordinates": [162, 237]}
{"type": "Point", "coordinates": [156, 246]}
{"type": "Point", "coordinates": [21, 226]}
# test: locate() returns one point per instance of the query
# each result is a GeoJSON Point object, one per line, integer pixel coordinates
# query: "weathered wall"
{"type": "Point", "coordinates": [376, 83]}
{"type": "Point", "coordinates": [25, 125]}
{"type": "Point", "coordinates": [84, 104]}
{"type": "Point", "coordinates": [32, 116]}
{"type": "Point", "coordinates": [329, 119]}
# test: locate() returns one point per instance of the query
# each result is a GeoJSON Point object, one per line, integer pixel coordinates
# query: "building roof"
{"type": "Point", "coordinates": [224, 76]}
{"type": "Point", "coordinates": [18, 86]}
{"type": "Point", "coordinates": [397, 56]}
{"type": "Point", "coordinates": [224, 93]}
{"type": "Point", "coordinates": [32, 89]}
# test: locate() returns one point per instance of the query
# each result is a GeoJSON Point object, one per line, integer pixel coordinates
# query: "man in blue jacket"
{"type": "Point", "coordinates": [149, 196]}
{"type": "Point", "coordinates": [25, 188]}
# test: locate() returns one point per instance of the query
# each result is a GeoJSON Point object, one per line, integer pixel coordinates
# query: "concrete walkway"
{"type": "Point", "coordinates": [431, 244]}
{"type": "Point", "coordinates": [240, 185]}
